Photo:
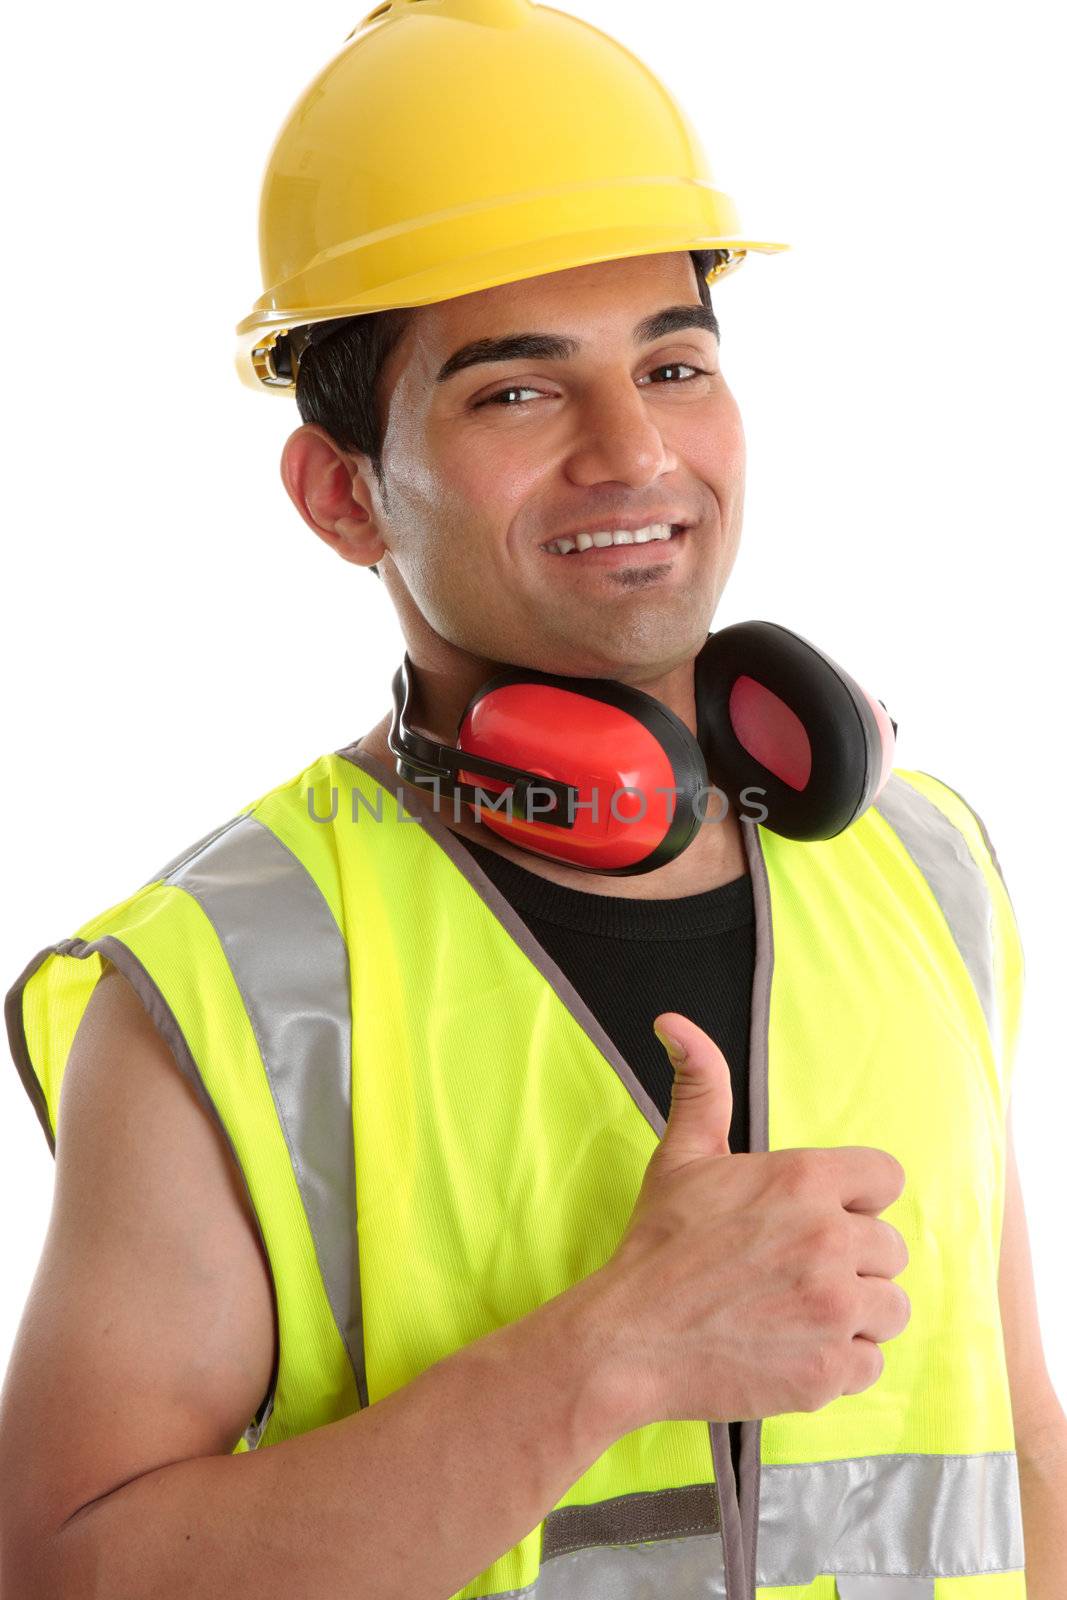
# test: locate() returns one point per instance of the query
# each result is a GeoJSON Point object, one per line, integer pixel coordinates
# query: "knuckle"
{"type": "Point", "coordinates": [894, 1172]}
{"type": "Point", "coordinates": [890, 1247]}
{"type": "Point", "coordinates": [875, 1363]}
{"type": "Point", "coordinates": [819, 1378]}
{"type": "Point", "coordinates": [830, 1303]}
{"type": "Point", "coordinates": [828, 1237]}
{"type": "Point", "coordinates": [866, 1365]}
{"type": "Point", "coordinates": [904, 1298]}
{"type": "Point", "coordinates": [869, 1366]}
{"type": "Point", "coordinates": [796, 1173]}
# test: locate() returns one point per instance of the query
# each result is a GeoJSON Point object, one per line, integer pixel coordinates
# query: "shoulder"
{"type": "Point", "coordinates": [928, 812]}
{"type": "Point", "coordinates": [960, 810]}
{"type": "Point", "coordinates": [947, 838]}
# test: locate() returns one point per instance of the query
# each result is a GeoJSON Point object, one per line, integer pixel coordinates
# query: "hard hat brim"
{"type": "Point", "coordinates": [543, 233]}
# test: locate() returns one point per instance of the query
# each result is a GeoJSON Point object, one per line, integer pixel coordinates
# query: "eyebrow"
{"type": "Point", "coordinates": [557, 347]}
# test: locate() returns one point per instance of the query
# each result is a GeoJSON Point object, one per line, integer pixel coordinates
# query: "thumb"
{"type": "Point", "coordinates": [702, 1099]}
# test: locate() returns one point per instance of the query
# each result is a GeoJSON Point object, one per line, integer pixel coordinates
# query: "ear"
{"type": "Point", "coordinates": [330, 490]}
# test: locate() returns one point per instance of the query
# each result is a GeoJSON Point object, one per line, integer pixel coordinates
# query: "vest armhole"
{"type": "Point", "coordinates": [43, 1080]}
{"type": "Point", "coordinates": [166, 1024]}
{"type": "Point", "coordinates": [15, 1019]}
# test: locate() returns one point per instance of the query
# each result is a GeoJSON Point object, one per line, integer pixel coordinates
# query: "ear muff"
{"type": "Point", "coordinates": [783, 727]}
{"type": "Point", "coordinates": [599, 775]}
{"type": "Point", "coordinates": [640, 777]}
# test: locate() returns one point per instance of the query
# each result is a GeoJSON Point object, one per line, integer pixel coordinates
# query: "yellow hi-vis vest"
{"type": "Point", "coordinates": [333, 971]}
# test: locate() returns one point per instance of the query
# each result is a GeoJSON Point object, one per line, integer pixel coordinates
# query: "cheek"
{"type": "Point", "coordinates": [487, 492]}
{"type": "Point", "coordinates": [716, 444]}
{"type": "Point", "coordinates": [501, 468]}
{"type": "Point", "coordinates": [723, 437]}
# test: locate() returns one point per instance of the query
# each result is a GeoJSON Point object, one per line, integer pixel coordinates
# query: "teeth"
{"type": "Point", "coordinates": [601, 539]}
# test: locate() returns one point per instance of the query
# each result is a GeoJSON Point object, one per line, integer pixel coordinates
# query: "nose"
{"type": "Point", "coordinates": [616, 440]}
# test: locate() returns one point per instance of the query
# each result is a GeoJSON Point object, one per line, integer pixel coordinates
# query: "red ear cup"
{"type": "Point", "coordinates": [639, 773]}
{"type": "Point", "coordinates": [784, 728]}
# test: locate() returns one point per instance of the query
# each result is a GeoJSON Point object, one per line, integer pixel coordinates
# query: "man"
{"type": "Point", "coordinates": [498, 1351]}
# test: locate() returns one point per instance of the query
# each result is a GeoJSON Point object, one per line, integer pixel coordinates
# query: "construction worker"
{"type": "Point", "coordinates": [465, 1188]}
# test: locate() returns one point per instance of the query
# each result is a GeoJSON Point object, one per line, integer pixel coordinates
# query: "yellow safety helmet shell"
{"type": "Point", "coordinates": [457, 144]}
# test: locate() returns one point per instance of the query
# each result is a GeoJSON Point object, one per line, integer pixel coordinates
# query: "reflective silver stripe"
{"type": "Point", "coordinates": [191, 850]}
{"type": "Point", "coordinates": [957, 882]}
{"type": "Point", "coordinates": [290, 963]}
{"type": "Point", "coordinates": [684, 1569]}
{"type": "Point", "coordinates": [920, 1516]}
{"type": "Point", "coordinates": [860, 1586]}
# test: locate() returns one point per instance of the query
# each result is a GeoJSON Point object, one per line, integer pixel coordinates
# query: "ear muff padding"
{"type": "Point", "coordinates": [845, 754]}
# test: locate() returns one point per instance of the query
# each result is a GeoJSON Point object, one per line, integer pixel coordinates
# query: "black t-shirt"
{"type": "Point", "coordinates": [631, 959]}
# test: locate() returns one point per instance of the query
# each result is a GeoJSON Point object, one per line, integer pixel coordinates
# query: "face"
{"type": "Point", "coordinates": [613, 426]}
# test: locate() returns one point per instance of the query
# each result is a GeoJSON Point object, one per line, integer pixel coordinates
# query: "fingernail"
{"type": "Point", "coordinates": [674, 1047]}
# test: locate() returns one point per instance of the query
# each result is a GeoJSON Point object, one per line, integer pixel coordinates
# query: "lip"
{"type": "Point", "coordinates": [625, 555]}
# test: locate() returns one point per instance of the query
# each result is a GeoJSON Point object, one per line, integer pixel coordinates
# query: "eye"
{"type": "Point", "coordinates": [500, 397]}
{"type": "Point", "coordinates": [681, 366]}
{"type": "Point", "coordinates": [501, 394]}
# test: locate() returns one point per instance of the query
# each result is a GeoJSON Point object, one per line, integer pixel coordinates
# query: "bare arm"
{"type": "Point", "coordinates": [147, 1345]}
{"type": "Point", "coordinates": [412, 1497]}
{"type": "Point", "coordinates": [1040, 1425]}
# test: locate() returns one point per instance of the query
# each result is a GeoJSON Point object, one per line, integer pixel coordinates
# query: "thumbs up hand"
{"type": "Point", "coordinates": [702, 1101]}
{"type": "Point", "coordinates": [748, 1284]}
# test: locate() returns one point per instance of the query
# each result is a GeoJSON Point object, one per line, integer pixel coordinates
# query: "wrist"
{"type": "Point", "coordinates": [621, 1394]}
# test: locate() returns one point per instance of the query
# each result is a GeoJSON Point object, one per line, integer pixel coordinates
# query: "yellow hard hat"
{"type": "Point", "coordinates": [456, 144]}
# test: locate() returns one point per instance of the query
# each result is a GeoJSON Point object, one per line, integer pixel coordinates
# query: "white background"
{"type": "Point", "coordinates": [177, 641]}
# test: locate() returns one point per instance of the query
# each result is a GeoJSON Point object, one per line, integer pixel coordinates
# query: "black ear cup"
{"type": "Point", "coordinates": [785, 729]}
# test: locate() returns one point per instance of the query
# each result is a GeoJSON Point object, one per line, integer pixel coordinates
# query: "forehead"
{"type": "Point", "coordinates": [588, 303]}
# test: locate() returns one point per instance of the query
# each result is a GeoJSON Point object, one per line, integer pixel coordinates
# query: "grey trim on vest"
{"type": "Point", "coordinates": [861, 1586]}
{"type": "Point", "coordinates": [631, 1519]}
{"type": "Point", "coordinates": [892, 1516]}
{"type": "Point", "coordinates": [733, 1531]}
{"type": "Point", "coordinates": [290, 963]}
{"type": "Point", "coordinates": [758, 1139]}
{"type": "Point", "coordinates": [16, 1037]}
{"type": "Point", "coordinates": [955, 880]}
{"type": "Point", "coordinates": [417, 804]}
{"type": "Point", "coordinates": [166, 1024]}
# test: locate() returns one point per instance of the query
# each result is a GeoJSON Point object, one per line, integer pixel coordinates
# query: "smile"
{"type": "Point", "coordinates": [656, 532]}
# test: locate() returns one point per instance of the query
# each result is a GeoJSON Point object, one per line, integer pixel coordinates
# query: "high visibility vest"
{"type": "Point", "coordinates": [437, 1137]}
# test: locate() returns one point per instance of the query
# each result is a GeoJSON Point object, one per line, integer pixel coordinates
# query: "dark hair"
{"type": "Point", "coordinates": [337, 376]}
